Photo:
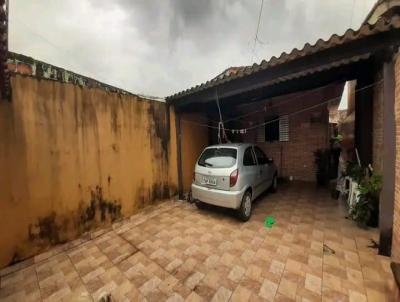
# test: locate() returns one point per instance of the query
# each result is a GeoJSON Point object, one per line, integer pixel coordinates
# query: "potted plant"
{"type": "Point", "coordinates": [355, 171]}
{"type": "Point", "coordinates": [366, 210]}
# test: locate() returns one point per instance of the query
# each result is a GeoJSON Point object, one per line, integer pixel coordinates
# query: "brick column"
{"type": "Point", "coordinates": [396, 218]}
{"type": "Point", "coordinates": [386, 206]}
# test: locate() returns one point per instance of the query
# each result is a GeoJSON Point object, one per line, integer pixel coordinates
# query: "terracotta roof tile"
{"type": "Point", "coordinates": [350, 35]}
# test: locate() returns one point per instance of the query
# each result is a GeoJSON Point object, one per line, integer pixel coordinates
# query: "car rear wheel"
{"type": "Point", "coordinates": [274, 185]}
{"type": "Point", "coordinates": [244, 211]}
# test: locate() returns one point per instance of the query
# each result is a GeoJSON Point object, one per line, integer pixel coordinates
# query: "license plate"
{"type": "Point", "coordinates": [211, 181]}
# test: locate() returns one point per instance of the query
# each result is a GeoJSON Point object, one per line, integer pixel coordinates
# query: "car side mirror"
{"type": "Point", "coordinates": [270, 161]}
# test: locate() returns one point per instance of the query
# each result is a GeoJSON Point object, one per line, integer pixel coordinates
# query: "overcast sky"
{"type": "Point", "coordinates": [159, 47]}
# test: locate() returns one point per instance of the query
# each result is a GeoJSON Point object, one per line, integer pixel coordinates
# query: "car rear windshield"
{"type": "Point", "coordinates": [218, 157]}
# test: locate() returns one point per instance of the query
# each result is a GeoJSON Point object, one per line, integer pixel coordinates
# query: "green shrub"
{"type": "Point", "coordinates": [366, 210]}
{"type": "Point", "coordinates": [355, 171]}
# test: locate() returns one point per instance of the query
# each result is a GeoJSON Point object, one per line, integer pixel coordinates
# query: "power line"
{"type": "Point", "coordinates": [258, 28]}
{"type": "Point", "coordinates": [352, 13]}
{"type": "Point", "coordinates": [274, 105]}
{"type": "Point", "coordinates": [288, 114]}
{"type": "Point", "coordinates": [364, 5]}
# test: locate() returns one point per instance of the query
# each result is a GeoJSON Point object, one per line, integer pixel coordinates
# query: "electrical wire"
{"type": "Point", "coordinates": [364, 6]}
{"type": "Point", "coordinates": [258, 28]}
{"type": "Point", "coordinates": [352, 13]}
{"type": "Point", "coordinates": [288, 114]}
{"type": "Point", "coordinates": [274, 105]}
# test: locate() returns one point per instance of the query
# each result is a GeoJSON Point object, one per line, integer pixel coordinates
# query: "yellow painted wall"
{"type": "Point", "coordinates": [194, 140]}
{"type": "Point", "coordinates": [72, 158]}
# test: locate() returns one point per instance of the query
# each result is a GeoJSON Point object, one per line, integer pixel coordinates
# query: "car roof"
{"type": "Point", "coordinates": [231, 145]}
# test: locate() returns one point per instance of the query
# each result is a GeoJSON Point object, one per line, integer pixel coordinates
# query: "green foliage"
{"type": "Point", "coordinates": [371, 187]}
{"type": "Point", "coordinates": [362, 212]}
{"type": "Point", "coordinates": [355, 171]}
{"type": "Point", "coordinates": [366, 210]}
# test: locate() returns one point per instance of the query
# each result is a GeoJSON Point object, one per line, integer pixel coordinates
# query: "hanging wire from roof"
{"type": "Point", "coordinates": [221, 127]}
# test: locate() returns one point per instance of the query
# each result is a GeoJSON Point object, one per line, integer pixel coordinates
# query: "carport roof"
{"type": "Point", "coordinates": [366, 30]}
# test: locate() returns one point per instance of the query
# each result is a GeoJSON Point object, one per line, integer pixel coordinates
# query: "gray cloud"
{"type": "Point", "coordinates": [161, 47]}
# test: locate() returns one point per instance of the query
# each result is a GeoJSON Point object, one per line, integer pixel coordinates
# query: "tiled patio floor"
{"type": "Point", "coordinates": [177, 253]}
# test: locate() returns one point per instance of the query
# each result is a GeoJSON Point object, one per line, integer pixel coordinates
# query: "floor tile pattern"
{"type": "Point", "coordinates": [175, 252]}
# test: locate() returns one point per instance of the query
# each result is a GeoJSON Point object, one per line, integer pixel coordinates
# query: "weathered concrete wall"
{"type": "Point", "coordinates": [72, 158]}
{"type": "Point", "coordinates": [194, 140]}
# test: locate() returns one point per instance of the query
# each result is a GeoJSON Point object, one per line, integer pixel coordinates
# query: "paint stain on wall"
{"type": "Point", "coordinates": [99, 210]}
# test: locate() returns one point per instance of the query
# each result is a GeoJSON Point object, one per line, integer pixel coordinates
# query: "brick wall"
{"type": "Point", "coordinates": [377, 127]}
{"type": "Point", "coordinates": [296, 157]}
{"type": "Point", "coordinates": [396, 219]}
{"type": "Point", "coordinates": [308, 131]}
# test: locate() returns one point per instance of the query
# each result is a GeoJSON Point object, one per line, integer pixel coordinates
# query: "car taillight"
{"type": "Point", "coordinates": [233, 177]}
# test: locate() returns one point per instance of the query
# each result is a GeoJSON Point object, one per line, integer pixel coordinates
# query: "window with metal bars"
{"type": "Point", "coordinates": [275, 129]}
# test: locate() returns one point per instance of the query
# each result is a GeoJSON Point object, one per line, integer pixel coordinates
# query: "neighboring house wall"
{"type": "Point", "coordinates": [396, 218]}
{"type": "Point", "coordinates": [73, 158]}
{"type": "Point", "coordinates": [308, 131]}
{"type": "Point", "coordinates": [194, 139]}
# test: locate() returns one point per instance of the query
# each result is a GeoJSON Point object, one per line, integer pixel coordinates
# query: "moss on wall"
{"type": "Point", "coordinates": [73, 158]}
{"type": "Point", "coordinates": [194, 140]}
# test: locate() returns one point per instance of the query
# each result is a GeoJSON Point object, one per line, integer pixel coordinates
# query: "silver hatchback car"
{"type": "Point", "coordinates": [232, 176]}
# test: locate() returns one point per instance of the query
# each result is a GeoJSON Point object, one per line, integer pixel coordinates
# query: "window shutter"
{"type": "Point", "coordinates": [284, 128]}
{"type": "Point", "coordinates": [260, 134]}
